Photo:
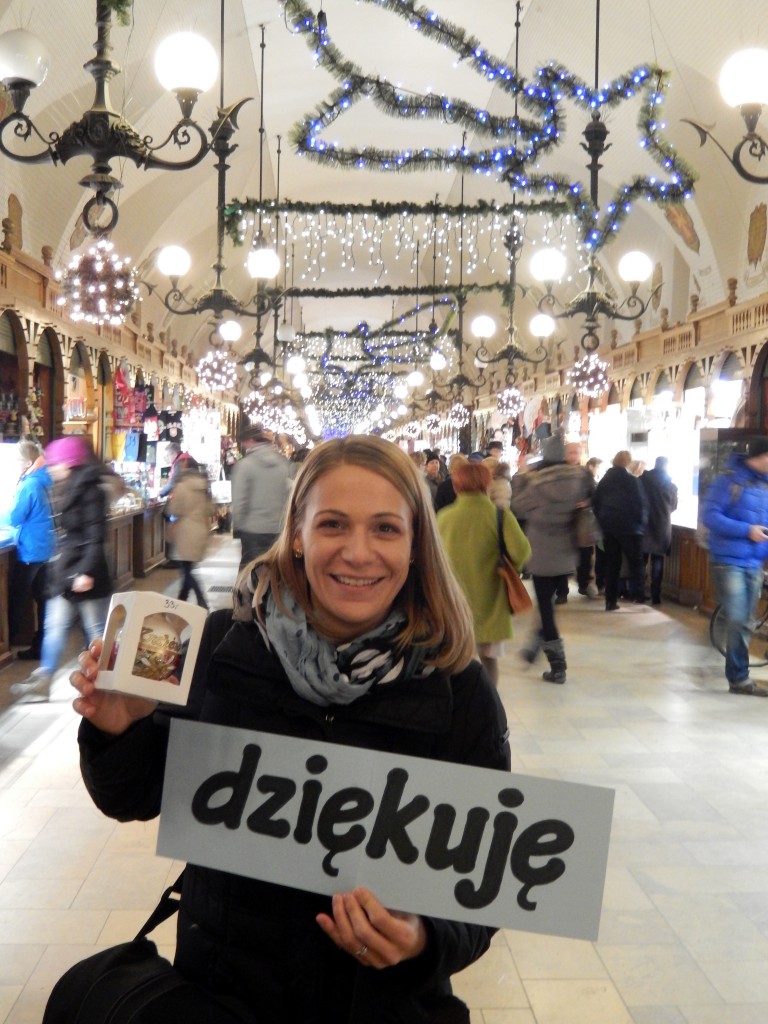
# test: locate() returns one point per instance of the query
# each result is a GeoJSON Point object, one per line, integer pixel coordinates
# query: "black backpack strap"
{"type": "Point", "coordinates": [166, 908]}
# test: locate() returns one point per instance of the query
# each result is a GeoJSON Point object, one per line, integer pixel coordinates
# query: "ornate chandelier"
{"type": "Point", "coordinates": [98, 285]}
{"type": "Point", "coordinates": [185, 64]}
{"type": "Point", "coordinates": [432, 423]}
{"type": "Point", "coordinates": [589, 376]}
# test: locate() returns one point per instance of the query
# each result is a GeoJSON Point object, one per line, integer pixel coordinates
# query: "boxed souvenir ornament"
{"type": "Point", "coordinates": [150, 646]}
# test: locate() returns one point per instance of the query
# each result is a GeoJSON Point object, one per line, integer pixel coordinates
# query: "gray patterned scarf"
{"type": "Point", "coordinates": [322, 672]}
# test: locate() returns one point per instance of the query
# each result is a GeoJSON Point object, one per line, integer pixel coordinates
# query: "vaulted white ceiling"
{"type": "Point", "coordinates": [689, 39]}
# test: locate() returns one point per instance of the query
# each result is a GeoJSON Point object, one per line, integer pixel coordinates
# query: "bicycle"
{"type": "Point", "coordinates": [758, 645]}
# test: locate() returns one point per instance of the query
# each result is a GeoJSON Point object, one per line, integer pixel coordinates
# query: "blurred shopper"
{"type": "Point", "coordinates": [593, 465]}
{"type": "Point", "coordinates": [32, 519]}
{"type": "Point", "coordinates": [261, 483]}
{"type": "Point", "coordinates": [189, 510]}
{"type": "Point", "coordinates": [501, 488]}
{"type": "Point", "coordinates": [432, 473]}
{"type": "Point", "coordinates": [573, 450]}
{"type": "Point", "coordinates": [469, 529]}
{"type": "Point", "coordinates": [657, 539]}
{"type": "Point", "coordinates": [622, 510]}
{"type": "Point", "coordinates": [548, 498]}
{"type": "Point", "coordinates": [446, 495]}
{"type": "Point", "coordinates": [79, 585]}
{"type": "Point", "coordinates": [736, 517]}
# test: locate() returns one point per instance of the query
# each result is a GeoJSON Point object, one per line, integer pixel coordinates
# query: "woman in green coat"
{"type": "Point", "coordinates": [469, 532]}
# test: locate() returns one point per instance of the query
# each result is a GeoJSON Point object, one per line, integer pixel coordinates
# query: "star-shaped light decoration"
{"type": "Point", "coordinates": [514, 143]}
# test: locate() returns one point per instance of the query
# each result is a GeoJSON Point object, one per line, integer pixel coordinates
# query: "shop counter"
{"type": "Point", "coordinates": [118, 547]}
{"type": "Point", "coordinates": [148, 539]}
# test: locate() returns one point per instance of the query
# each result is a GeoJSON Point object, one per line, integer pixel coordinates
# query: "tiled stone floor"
{"type": "Point", "coordinates": [684, 931]}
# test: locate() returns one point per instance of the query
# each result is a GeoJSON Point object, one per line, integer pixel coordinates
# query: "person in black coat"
{"type": "Point", "coordinates": [621, 508]}
{"type": "Point", "coordinates": [446, 495]}
{"type": "Point", "coordinates": [358, 513]}
{"type": "Point", "coordinates": [662, 502]}
{"type": "Point", "coordinates": [78, 582]}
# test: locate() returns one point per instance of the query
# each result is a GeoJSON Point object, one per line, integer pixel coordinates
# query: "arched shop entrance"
{"type": "Point", "coordinates": [48, 386]}
{"type": "Point", "coordinates": [13, 377]}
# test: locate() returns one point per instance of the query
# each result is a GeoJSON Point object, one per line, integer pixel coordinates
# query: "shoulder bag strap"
{"type": "Point", "coordinates": [166, 908]}
{"type": "Point", "coordinates": [500, 530]}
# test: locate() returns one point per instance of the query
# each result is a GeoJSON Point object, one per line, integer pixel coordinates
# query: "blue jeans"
{"type": "Point", "coordinates": [737, 589]}
{"type": "Point", "coordinates": [60, 614]}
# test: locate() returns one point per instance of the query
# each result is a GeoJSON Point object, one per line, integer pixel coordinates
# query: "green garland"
{"type": "Point", "coordinates": [236, 210]}
{"type": "Point", "coordinates": [121, 10]}
{"type": "Point", "coordinates": [517, 142]}
{"type": "Point", "coordinates": [389, 291]}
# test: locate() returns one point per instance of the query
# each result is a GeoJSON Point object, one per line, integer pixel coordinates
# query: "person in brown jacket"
{"type": "Point", "coordinates": [189, 512]}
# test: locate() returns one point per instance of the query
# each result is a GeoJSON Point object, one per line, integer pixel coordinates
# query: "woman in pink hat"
{"type": "Point", "coordinates": [79, 585]}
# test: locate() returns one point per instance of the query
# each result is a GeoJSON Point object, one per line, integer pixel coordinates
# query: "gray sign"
{"type": "Point", "coordinates": [427, 837]}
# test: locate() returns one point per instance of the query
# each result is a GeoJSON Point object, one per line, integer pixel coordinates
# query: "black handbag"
{"type": "Point", "coordinates": [119, 984]}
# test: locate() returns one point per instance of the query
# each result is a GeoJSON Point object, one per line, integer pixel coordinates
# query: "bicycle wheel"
{"type": "Point", "coordinates": [758, 645]}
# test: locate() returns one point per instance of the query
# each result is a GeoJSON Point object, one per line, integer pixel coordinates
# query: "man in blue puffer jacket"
{"type": "Point", "coordinates": [35, 540]}
{"type": "Point", "coordinates": [736, 516]}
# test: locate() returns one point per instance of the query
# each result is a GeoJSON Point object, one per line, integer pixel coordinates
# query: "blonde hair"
{"type": "Point", "coordinates": [622, 459]}
{"type": "Point", "coordinates": [437, 615]}
{"type": "Point", "coordinates": [29, 451]}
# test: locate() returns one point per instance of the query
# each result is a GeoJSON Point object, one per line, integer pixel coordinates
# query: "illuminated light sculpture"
{"type": "Point", "coordinates": [589, 376]}
{"type": "Point", "coordinates": [98, 285]}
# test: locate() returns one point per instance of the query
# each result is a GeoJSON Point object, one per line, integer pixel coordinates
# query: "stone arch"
{"type": "Point", "coordinates": [50, 380]}
{"type": "Point", "coordinates": [14, 369]}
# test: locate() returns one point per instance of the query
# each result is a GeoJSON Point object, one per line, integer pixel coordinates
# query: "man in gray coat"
{"type": "Point", "coordinates": [261, 482]}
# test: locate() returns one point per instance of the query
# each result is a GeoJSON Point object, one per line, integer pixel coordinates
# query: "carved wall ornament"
{"type": "Point", "coordinates": [657, 282]}
{"type": "Point", "coordinates": [758, 224]}
{"type": "Point", "coordinates": [679, 218]}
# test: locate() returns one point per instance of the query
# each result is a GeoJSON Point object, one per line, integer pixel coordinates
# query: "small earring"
{"type": "Point", "coordinates": [412, 561]}
{"type": "Point", "coordinates": [297, 553]}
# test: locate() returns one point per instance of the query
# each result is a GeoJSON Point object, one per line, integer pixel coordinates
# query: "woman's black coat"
{"type": "Point", "coordinates": [260, 941]}
{"type": "Point", "coordinates": [80, 517]}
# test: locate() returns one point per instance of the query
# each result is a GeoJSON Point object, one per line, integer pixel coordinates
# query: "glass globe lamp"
{"type": "Point", "coordinates": [542, 326]}
{"type": "Point", "coordinates": [24, 63]}
{"type": "Point", "coordinates": [173, 261]}
{"type": "Point", "coordinates": [296, 364]}
{"type": "Point", "coordinates": [484, 326]}
{"type": "Point", "coordinates": [548, 265]}
{"type": "Point", "coordinates": [286, 333]}
{"type": "Point", "coordinates": [262, 263]}
{"type": "Point", "coordinates": [744, 78]}
{"type": "Point", "coordinates": [635, 267]}
{"type": "Point", "coordinates": [186, 61]}
{"type": "Point", "coordinates": [230, 330]}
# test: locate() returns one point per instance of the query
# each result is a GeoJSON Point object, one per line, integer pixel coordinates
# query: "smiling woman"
{"type": "Point", "coordinates": [351, 629]}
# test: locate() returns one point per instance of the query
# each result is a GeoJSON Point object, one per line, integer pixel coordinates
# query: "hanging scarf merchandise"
{"type": "Point", "coordinates": [319, 671]}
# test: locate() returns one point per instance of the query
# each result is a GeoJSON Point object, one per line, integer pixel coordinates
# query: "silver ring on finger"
{"type": "Point", "coordinates": [362, 951]}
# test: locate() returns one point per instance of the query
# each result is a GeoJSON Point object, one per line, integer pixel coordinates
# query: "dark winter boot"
{"type": "Point", "coordinates": [532, 647]}
{"type": "Point", "coordinates": [555, 653]}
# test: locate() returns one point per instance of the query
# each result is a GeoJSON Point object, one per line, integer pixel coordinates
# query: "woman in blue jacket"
{"type": "Point", "coordinates": [32, 520]}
